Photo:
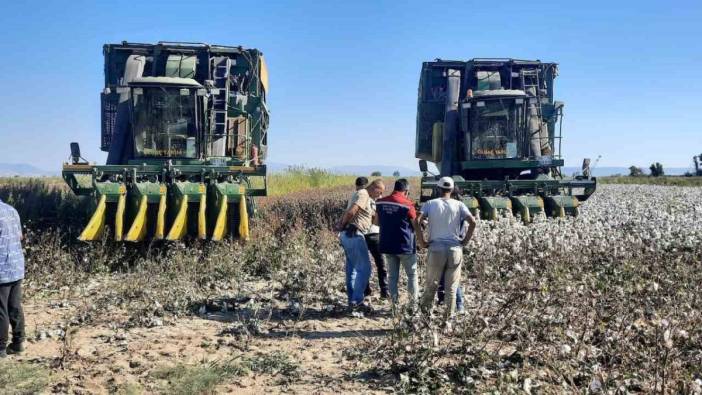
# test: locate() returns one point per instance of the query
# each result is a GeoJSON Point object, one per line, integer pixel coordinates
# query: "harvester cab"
{"type": "Point", "coordinates": [185, 128]}
{"type": "Point", "coordinates": [493, 125]}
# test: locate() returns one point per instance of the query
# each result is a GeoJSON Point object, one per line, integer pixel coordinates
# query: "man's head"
{"type": "Point", "coordinates": [361, 183]}
{"type": "Point", "coordinates": [402, 185]}
{"type": "Point", "coordinates": [376, 188]}
{"type": "Point", "coordinates": [445, 185]}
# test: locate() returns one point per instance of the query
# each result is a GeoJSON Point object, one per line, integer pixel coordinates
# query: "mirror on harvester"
{"type": "Point", "coordinates": [423, 166]}
{"type": "Point", "coordinates": [75, 152]}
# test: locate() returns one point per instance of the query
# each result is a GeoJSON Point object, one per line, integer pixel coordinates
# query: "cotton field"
{"type": "Point", "coordinates": [620, 222]}
{"type": "Point", "coordinates": [608, 302]}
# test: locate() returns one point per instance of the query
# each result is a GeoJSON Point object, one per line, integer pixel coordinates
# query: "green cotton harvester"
{"type": "Point", "coordinates": [493, 125]}
{"type": "Point", "coordinates": [184, 126]}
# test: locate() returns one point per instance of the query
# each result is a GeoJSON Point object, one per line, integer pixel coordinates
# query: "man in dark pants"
{"type": "Point", "coordinates": [373, 242]}
{"type": "Point", "coordinates": [11, 276]}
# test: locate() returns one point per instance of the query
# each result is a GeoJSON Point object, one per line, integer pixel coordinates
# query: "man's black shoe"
{"type": "Point", "coordinates": [15, 348]}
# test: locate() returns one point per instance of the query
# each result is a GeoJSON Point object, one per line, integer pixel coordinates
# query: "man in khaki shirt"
{"type": "Point", "coordinates": [356, 221]}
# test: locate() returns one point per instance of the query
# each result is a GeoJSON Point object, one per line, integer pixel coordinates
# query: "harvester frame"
{"type": "Point", "coordinates": [184, 124]}
{"type": "Point", "coordinates": [493, 126]}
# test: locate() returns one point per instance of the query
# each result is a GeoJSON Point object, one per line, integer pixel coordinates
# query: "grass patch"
{"type": "Point", "coordinates": [198, 379]}
{"type": "Point", "coordinates": [22, 378]}
{"type": "Point", "coordinates": [204, 378]}
{"type": "Point", "coordinates": [275, 363]}
{"type": "Point", "coordinates": [646, 180]}
{"type": "Point", "coordinates": [297, 178]}
{"type": "Point", "coordinates": [130, 389]}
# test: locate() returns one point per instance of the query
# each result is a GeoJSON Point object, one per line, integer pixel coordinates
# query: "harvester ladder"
{"type": "Point", "coordinates": [220, 102]}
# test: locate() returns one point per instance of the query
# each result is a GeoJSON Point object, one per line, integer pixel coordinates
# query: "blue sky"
{"type": "Point", "coordinates": [344, 74]}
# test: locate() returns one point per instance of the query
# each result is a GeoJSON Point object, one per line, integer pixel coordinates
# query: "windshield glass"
{"type": "Point", "coordinates": [493, 129]}
{"type": "Point", "coordinates": [164, 122]}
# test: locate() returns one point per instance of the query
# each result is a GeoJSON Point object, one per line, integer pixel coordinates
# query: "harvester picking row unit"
{"type": "Point", "coordinates": [184, 126]}
{"type": "Point", "coordinates": [493, 125]}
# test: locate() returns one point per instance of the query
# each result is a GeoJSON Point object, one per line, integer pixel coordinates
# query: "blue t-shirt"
{"type": "Point", "coordinates": [11, 255]}
{"type": "Point", "coordinates": [446, 218]}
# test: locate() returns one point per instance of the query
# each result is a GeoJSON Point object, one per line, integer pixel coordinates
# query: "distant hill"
{"type": "Point", "coordinates": [23, 170]}
{"type": "Point", "coordinates": [366, 170]}
{"type": "Point", "coordinates": [611, 171]}
{"type": "Point", "coordinates": [356, 170]}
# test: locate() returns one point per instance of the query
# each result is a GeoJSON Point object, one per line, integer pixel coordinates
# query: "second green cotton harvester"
{"type": "Point", "coordinates": [494, 126]}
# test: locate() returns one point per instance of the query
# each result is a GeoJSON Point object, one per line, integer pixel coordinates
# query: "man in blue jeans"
{"type": "Point", "coordinates": [11, 275]}
{"type": "Point", "coordinates": [356, 221]}
{"type": "Point", "coordinates": [396, 215]}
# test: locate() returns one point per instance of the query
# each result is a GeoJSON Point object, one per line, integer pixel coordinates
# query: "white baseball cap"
{"type": "Point", "coordinates": [446, 183]}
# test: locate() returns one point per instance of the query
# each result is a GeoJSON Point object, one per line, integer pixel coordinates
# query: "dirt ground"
{"type": "Point", "coordinates": [105, 357]}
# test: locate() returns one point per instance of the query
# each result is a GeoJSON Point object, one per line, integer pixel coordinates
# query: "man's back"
{"type": "Point", "coordinates": [446, 218]}
{"type": "Point", "coordinates": [395, 215]}
{"type": "Point", "coordinates": [11, 256]}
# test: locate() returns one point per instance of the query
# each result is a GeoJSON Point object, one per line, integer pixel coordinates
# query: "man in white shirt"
{"type": "Point", "coordinates": [446, 217]}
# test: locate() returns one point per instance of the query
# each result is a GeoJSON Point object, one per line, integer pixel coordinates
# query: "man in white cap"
{"type": "Point", "coordinates": [446, 217]}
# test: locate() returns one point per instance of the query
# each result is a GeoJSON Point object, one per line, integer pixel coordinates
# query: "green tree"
{"type": "Point", "coordinates": [657, 169]}
{"type": "Point", "coordinates": [396, 173]}
{"type": "Point", "coordinates": [635, 171]}
{"type": "Point", "coordinates": [376, 174]}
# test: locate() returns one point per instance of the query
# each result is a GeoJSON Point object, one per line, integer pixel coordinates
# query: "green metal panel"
{"type": "Point", "coordinates": [192, 189]}
{"type": "Point", "coordinates": [508, 163]}
{"type": "Point", "coordinates": [111, 190]}
{"type": "Point", "coordinates": [527, 206]}
{"type": "Point", "coordinates": [152, 191]}
{"type": "Point", "coordinates": [558, 206]}
{"type": "Point", "coordinates": [233, 191]}
{"type": "Point", "coordinates": [492, 206]}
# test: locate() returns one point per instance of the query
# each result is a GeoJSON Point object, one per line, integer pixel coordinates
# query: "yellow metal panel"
{"type": "Point", "coordinates": [202, 218]}
{"type": "Point", "coordinates": [79, 167]}
{"type": "Point", "coordinates": [119, 215]}
{"type": "Point", "coordinates": [264, 74]}
{"type": "Point", "coordinates": [243, 169]}
{"type": "Point", "coordinates": [138, 229]}
{"type": "Point", "coordinates": [220, 228]}
{"type": "Point", "coordinates": [161, 217]}
{"type": "Point", "coordinates": [243, 219]}
{"type": "Point", "coordinates": [96, 225]}
{"type": "Point", "coordinates": [180, 223]}
{"type": "Point", "coordinates": [526, 215]}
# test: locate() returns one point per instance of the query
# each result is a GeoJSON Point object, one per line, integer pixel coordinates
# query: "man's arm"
{"type": "Point", "coordinates": [471, 229]}
{"type": "Point", "coordinates": [421, 242]}
{"type": "Point", "coordinates": [348, 215]}
{"type": "Point", "coordinates": [19, 225]}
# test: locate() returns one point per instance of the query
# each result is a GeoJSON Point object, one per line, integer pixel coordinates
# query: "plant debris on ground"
{"type": "Point", "coordinates": [607, 302]}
